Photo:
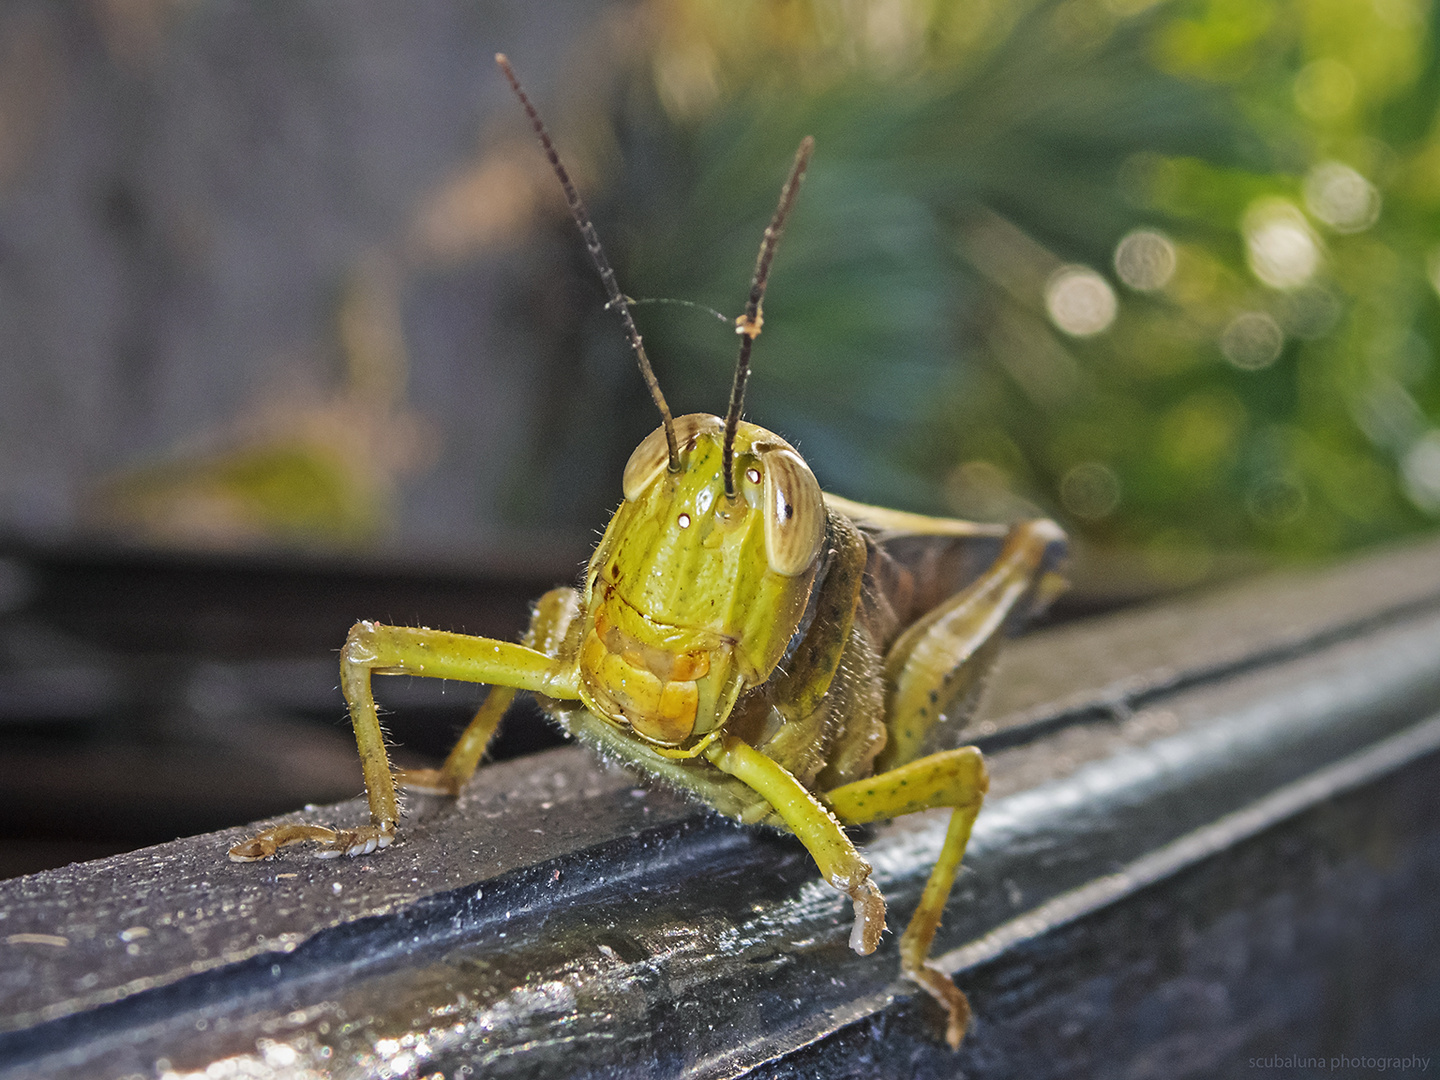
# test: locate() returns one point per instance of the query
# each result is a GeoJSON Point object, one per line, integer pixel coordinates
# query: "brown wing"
{"type": "Point", "coordinates": [915, 562]}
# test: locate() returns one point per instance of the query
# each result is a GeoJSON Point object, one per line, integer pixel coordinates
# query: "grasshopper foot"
{"type": "Point", "coordinates": [940, 987]}
{"type": "Point", "coordinates": [869, 918]}
{"type": "Point", "coordinates": [333, 842]}
{"type": "Point", "coordinates": [361, 841]}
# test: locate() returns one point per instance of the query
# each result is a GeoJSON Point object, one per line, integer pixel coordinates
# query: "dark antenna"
{"type": "Point", "coordinates": [748, 325]}
{"type": "Point", "coordinates": [602, 264]}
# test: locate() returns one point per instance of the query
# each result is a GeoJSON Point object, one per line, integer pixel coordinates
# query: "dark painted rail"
{"type": "Point", "coordinates": [1212, 843]}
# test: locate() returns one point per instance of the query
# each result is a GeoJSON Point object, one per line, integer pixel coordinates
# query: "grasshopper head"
{"type": "Point", "coordinates": [692, 596]}
{"type": "Point", "coordinates": [704, 572]}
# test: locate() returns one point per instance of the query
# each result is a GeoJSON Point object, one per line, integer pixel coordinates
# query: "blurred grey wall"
{"type": "Point", "coordinates": [229, 225]}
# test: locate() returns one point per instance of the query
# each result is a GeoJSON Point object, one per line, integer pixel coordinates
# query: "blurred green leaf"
{"type": "Point", "coordinates": [1275, 395]}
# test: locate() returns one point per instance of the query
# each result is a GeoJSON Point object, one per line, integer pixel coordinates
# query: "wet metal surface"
{"type": "Point", "coordinates": [563, 919]}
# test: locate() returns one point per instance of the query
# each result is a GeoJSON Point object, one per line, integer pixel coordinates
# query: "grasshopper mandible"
{"type": "Point", "coordinates": [786, 656]}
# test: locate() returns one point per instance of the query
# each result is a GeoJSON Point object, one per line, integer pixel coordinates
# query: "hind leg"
{"type": "Point", "coordinates": [935, 669]}
{"type": "Point", "coordinates": [953, 778]}
{"type": "Point", "coordinates": [933, 672]}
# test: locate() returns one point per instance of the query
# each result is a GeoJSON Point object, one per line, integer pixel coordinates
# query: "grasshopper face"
{"type": "Point", "coordinates": [692, 597]}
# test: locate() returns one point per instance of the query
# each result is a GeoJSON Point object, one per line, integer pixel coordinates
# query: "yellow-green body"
{"type": "Point", "coordinates": [784, 656]}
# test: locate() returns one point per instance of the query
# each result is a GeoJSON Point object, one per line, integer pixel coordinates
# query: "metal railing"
{"type": "Point", "coordinates": [1211, 842]}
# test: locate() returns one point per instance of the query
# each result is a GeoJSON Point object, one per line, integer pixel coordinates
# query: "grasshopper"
{"type": "Point", "coordinates": [783, 655]}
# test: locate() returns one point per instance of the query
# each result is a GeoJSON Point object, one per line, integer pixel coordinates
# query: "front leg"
{"type": "Point", "coordinates": [373, 649]}
{"type": "Point", "coordinates": [817, 829]}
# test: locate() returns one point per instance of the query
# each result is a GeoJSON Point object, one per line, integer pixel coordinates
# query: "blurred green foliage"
{"type": "Point", "coordinates": [1163, 271]}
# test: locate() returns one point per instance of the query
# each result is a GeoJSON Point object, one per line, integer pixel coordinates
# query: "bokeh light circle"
{"type": "Point", "coordinates": [1090, 490]}
{"type": "Point", "coordinates": [1080, 301]}
{"type": "Point", "coordinates": [1252, 341]}
{"type": "Point", "coordinates": [1145, 260]}
{"type": "Point", "coordinates": [1281, 249]}
{"type": "Point", "coordinates": [1340, 197]}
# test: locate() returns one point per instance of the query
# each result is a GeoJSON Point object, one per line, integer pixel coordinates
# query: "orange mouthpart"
{"type": "Point", "coordinates": [651, 689]}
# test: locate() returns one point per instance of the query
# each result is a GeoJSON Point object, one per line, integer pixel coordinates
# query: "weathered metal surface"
{"type": "Point", "coordinates": [562, 919]}
{"type": "Point", "coordinates": [1310, 947]}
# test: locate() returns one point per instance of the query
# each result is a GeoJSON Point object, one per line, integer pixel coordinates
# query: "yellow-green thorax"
{"type": "Point", "coordinates": [692, 597]}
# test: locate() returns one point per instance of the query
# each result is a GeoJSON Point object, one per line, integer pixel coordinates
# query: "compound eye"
{"type": "Point", "coordinates": [649, 460]}
{"type": "Point", "coordinates": [794, 512]}
{"type": "Point", "coordinates": [652, 457]}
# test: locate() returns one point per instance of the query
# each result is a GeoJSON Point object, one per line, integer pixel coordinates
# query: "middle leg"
{"type": "Point", "coordinates": [548, 631]}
